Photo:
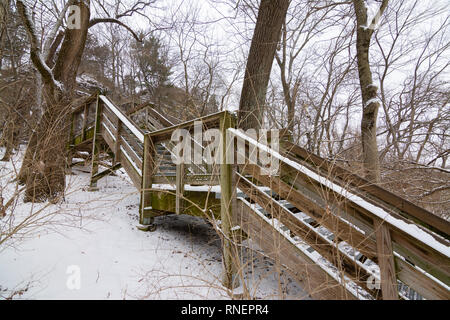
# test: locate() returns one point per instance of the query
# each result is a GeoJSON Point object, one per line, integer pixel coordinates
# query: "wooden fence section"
{"type": "Point", "coordinates": [343, 237]}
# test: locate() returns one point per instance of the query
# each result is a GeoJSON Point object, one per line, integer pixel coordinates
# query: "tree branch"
{"type": "Point", "coordinates": [51, 37]}
{"type": "Point", "coordinates": [35, 52]}
{"type": "Point", "coordinates": [53, 47]}
{"type": "Point", "coordinates": [95, 21]}
{"type": "Point", "coordinates": [377, 17]}
{"type": "Point", "coordinates": [138, 6]}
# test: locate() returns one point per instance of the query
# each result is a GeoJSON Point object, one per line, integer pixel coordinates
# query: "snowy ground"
{"type": "Point", "coordinates": [94, 233]}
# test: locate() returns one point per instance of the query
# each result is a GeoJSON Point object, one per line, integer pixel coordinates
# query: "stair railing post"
{"type": "Point", "coordinates": [180, 173]}
{"type": "Point", "coordinates": [389, 288]}
{"type": "Point", "coordinates": [148, 164]}
{"type": "Point", "coordinates": [96, 145]}
{"type": "Point", "coordinates": [230, 257]}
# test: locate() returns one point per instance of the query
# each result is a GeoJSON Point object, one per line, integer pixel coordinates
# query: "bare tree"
{"type": "Point", "coordinates": [43, 168]}
{"type": "Point", "coordinates": [199, 67]}
{"type": "Point", "coordinates": [4, 9]}
{"type": "Point", "coordinates": [371, 104]}
{"type": "Point", "coordinates": [303, 23]}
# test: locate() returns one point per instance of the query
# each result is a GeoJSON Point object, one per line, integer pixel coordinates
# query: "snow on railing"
{"type": "Point", "coordinates": [410, 229]}
{"type": "Point", "coordinates": [135, 130]}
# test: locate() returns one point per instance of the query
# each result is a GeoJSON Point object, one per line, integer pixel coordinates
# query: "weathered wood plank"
{"type": "Point", "coordinates": [160, 118]}
{"type": "Point", "coordinates": [107, 172]}
{"type": "Point", "coordinates": [421, 255]}
{"type": "Point", "coordinates": [109, 114]}
{"type": "Point", "coordinates": [211, 121]}
{"type": "Point", "coordinates": [146, 182]}
{"type": "Point", "coordinates": [107, 137]}
{"type": "Point", "coordinates": [230, 258]}
{"type": "Point", "coordinates": [131, 152]}
{"type": "Point", "coordinates": [111, 122]}
{"type": "Point", "coordinates": [118, 142]}
{"type": "Point", "coordinates": [131, 171]}
{"type": "Point", "coordinates": [417, 280]}
{"type": "Point", "coordinates": [133, 142]}
{"type": "Point", "coordinates": [386, 261]}
{"type": "Point", "coordinates": [85, 120]}
{"type": "Point", "coordinates": [313, 278]}
{"type": "Point", "coordinates": [416, 251]}
{"type": "Point", "coordinates": [327, 198]}
{"type": "Point", "coordinates": [196, 180]}
{"type": "Point", "coordinates": [201, 204]}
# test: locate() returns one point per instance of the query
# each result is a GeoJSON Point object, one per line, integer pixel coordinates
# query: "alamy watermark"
{"type": "Point", "coordinates": [373, 283]}
{"type": "Point", "coordinates": [74, 17]}
{"type": "Point", "coordinates": [74, 279]}
{"type": "Point", "coordinates": [228, 149]}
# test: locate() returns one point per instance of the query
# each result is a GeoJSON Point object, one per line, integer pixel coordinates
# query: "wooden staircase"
{"type": "Point", "coordinates": [339, 235]}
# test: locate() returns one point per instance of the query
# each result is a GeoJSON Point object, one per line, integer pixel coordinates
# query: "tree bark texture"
{"type": "Point", "coordinates": [271, 16]}
{"type": "Point", "coordinates": [43, 168]}
{"type": "Point", "coordinates": [370, 101]}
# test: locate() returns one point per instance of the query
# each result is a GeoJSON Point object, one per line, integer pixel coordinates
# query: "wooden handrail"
{"type": "Point", "coordinates": [165, 134]}
{"type": "Point", "coordinates": [407, 209]}
{"type": "Point", "coordinates": [124, 118]}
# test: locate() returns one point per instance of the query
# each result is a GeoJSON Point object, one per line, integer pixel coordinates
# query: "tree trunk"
{"type": "Point", "coordinates": [71, 52]}
{"type": "Point", "coordinates": [4, 9]}
{"type": "Point", "coordinates": [43, 168]}
{"type": "Point", "coordinates": [9, 136]}
{"type": "Point", "coordinates": [45, 178]}
{"type": "Point", "coordinates": [271, 16]}
{"type": "Point", "coordinates": [370, 101]}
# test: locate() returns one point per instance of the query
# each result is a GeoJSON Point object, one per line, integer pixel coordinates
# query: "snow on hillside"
{"type": "Point", "coordinates": [95, 233]}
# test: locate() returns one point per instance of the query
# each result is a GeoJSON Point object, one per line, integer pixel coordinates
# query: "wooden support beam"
{"type": "Point", "coordinates": [96, 146]}
{"type": "Point", "coordinates": [148, 167]}
{"type": "Point", "coordinates": [230, 258]}
{"type": "Point", "coordinates": [386, 261]}
{"type": "Point", "coordinates": [202, 204]}
{"type": "Point", "coordinates": [180, 188]}
{"type": "Point", "coordinates": [106, 172]}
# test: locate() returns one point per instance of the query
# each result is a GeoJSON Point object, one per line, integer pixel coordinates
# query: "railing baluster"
{"type": "Point", "coordinates": [96, 145]}
{"type": "Point", "coordinates": [148, 164]}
